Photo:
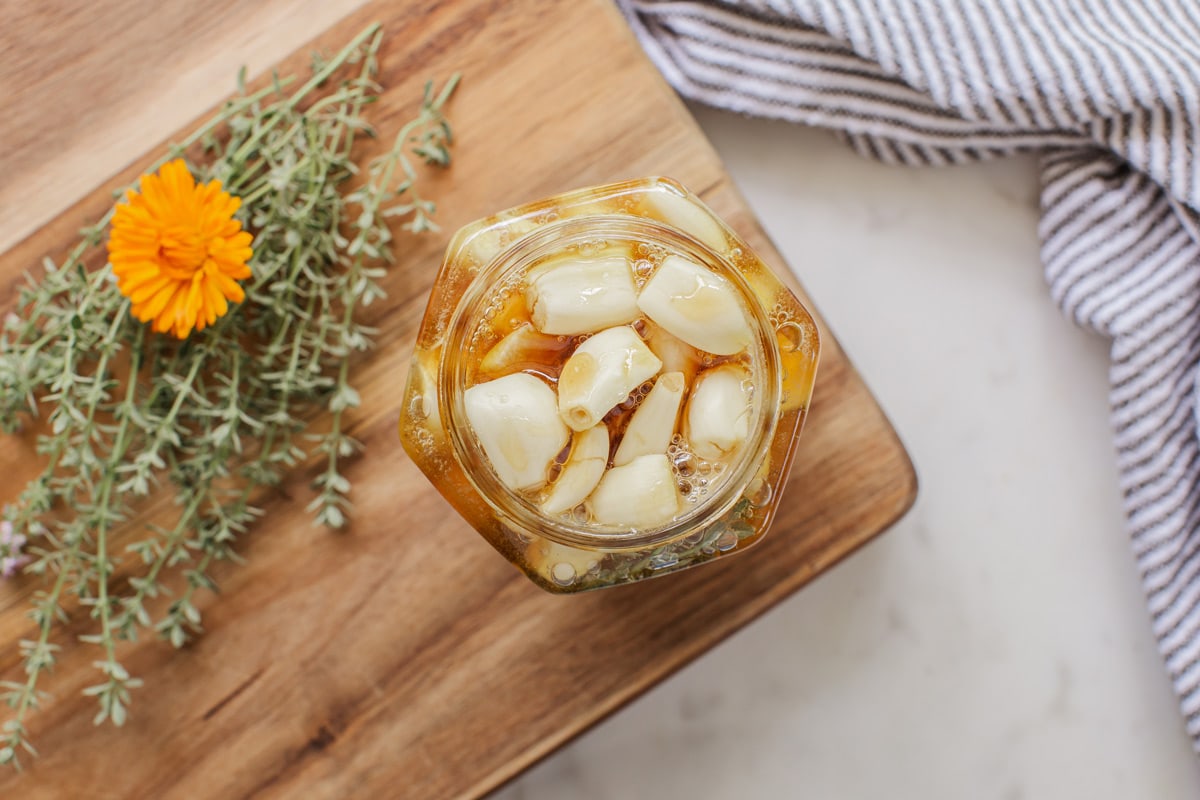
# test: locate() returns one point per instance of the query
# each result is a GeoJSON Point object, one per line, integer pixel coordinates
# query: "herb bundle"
{"type": "Point", "coordinates": [221, 415]}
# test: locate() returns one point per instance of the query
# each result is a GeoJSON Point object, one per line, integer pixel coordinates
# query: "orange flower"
{"type": "Point", "coordinates": [177, 251]}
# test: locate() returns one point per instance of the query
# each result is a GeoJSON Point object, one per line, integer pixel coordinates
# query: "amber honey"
{"type": "Point", "coordinates": [478, 329]}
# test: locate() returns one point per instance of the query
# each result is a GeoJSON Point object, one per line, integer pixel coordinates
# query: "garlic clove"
{"type": "Point", "coordinates": [718, 412]}
{"type": "Point", "coordinates": [696, 305]}
{"type": "Point", "coordinates": [676, 355]}
{"type": "Point", "coordinates": [583, 470]}
{"type": "Point", "coordinates": [641, 494]}
{"type": "Point", "coordinates": [561, 564]}
{"type": "Point", "coordinates": [522, 349]}
{"type": "Point", "coordinates": [516, 422]}
{"type": "Point", "coordinates": [689, 218]}
{"type": "Point", "coordinates": [653, 423]}
{"type": "Point", "coordinates": [581, 296]}
{"type": "Point", "coordinates": [601, 373]}
{"type": "Point", "coordinates": [484, 245]}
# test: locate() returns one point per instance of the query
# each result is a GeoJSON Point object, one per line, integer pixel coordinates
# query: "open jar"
{"type": "Point", "coordinates": [608, 385]}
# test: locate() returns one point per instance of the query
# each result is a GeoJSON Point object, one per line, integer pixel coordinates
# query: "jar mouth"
{"type": "Point", "coordinates": [455, 374]}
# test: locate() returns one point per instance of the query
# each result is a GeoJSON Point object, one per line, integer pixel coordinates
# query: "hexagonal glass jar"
{"type": "Point", "coordinates": [476, 300]}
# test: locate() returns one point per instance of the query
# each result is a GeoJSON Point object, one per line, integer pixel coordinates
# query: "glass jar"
{"type": "Point", "coordinates": [725, 504]}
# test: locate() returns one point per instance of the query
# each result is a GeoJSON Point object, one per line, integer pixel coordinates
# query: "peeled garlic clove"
{"type": "Point", "coordinates": [653, 423]}
{"type": "Point", "coordinates": [559, 563]}
{"type": "Point", "coordinates": [516, 422]}
{"type": "Point", "coordinates": [683, 214]}
{"type": "Point", "coordinates": [696, 305]}
{"type": "Point", "coordinates": [641, 494]}
{"type": "Point", "coordinates": [718, 412]}
{"type": "Point", "coordinates": [484, 245]}
{"type": "Point", "coordinates": [522, 348]}
{"type": "Point", "coordinates": [583, 470]}
{"type": "Point", "coordinates": [676, 355]}
{"type": "Point", "coordinates": [581, 296]}
{"type": "Point", "coordinates": [601, 373]}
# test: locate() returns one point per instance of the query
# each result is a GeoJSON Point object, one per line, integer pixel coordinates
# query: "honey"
{"type": "Point", "coordinates": [559, 400]}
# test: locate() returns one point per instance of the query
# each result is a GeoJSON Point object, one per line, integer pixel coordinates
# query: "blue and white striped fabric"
{"type": "Point", "coordinates": [1107, 92]}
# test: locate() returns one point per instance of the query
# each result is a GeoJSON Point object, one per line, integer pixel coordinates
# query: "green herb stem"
{"type": "Point", "coordinates": [216, 418]}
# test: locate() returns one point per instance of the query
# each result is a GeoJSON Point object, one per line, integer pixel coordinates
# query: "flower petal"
{"type": "Point", "coordinates": [177, 250]}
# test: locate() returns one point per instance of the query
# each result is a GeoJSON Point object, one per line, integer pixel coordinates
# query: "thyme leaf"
{"type": "Point", "coordinates": [216, 419]}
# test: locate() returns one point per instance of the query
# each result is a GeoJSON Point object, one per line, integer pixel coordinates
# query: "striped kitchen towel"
{"type": "Point", "coordinates": [1107, 92]}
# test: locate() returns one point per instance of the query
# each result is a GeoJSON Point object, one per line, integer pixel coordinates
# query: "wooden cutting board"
{"type": "Point", "coordinates": [403, 658]}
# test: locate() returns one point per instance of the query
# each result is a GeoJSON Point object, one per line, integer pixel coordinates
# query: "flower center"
{"type": "Point", "coordinates": [182, 252]}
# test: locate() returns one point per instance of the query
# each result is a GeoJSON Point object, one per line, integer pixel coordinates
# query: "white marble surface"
{"type": "Point", "coordinates": [994, 643]}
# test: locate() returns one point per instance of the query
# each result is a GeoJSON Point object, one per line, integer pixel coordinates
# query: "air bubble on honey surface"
{"type": "Point", "coordinates": [791, 337]}
{"type": "Point", "coordinates": [424, 440]}
{"type": "Point", "coordinates": [623, 407]}
{"type": "Point", "coordinates": [555, 468]}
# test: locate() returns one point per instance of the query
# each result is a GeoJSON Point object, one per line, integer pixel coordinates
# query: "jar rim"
{"type": "Point", "coordinates": [516, 509]}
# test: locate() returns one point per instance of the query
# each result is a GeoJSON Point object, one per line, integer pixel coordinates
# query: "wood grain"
{"type": "Point", "coordinates": [404, 658]}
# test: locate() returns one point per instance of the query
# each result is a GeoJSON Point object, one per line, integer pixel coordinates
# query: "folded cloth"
{"type": "Point", "coordinates": [1108, 93]}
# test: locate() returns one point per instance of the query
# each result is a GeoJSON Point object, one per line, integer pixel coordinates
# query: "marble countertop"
{"type": "Point", "coordinates": [994, 643]}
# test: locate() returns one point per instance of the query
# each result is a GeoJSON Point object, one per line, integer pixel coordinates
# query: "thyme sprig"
{"type": "Point", "coordinates": [221, 416]}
